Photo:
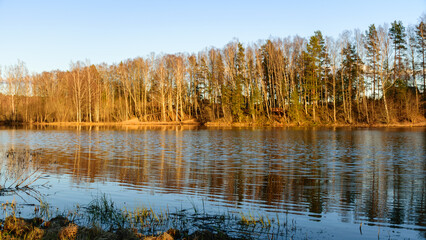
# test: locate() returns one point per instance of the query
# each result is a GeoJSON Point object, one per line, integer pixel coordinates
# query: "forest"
{"type": "Point", "coordinates": [362, 77]}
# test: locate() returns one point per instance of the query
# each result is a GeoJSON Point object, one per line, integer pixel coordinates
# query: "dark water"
{"type": "Point", "coordinates": [328, 181]}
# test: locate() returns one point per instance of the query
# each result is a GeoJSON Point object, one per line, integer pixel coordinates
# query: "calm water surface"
{"type": "Point", "coordinates": [328, 181]}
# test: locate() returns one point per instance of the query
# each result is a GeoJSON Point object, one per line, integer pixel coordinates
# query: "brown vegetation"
{"type": "Point", "coordinates": [61, 228]}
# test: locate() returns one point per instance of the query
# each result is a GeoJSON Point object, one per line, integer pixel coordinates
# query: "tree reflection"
{"type": "Point", "coordinates": [358, 174]}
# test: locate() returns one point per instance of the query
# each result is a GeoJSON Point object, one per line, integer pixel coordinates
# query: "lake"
{"type": "Point", "coordinates": [328, 181]}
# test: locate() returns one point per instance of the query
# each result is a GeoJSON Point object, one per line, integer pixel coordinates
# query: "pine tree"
{"type": "Point", "coordinates": [315, 55]}
{"type": "Point", "coordinates": [237, 96]}
{"type": "Point", "coordinates": [397, 34]}
{"type": "Point", "coordinates": [421, 39]}
{"type": "Point", "coordinates": [351, 69]}
{"type": "Point", "coordinates": [372, 46]}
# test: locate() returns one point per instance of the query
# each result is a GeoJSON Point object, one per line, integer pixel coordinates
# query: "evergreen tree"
{"type": "Point", "coordinates": [268, 76]}
{"type": "Point", "coordinates": [398, 35]}
{"type": "Point", "coordinates": [237, 96]}
{"type": "Point", "coordinates": [372, 47]}
{"type": "Point", "coordinates": [314, 58]}
{"type": "Point", "coordinates": [421, 39]}
{"type": "Point", "coordinates": [351, 69]}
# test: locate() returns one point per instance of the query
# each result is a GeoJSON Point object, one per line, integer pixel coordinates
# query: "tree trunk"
{"type": "Point", "coordinates": [334, 97]}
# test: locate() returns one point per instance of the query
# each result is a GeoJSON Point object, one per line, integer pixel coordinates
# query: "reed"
{"type": "Point", "coordinates": [102, 218]}
{"type": "Point", "coordinates": [18, 175]}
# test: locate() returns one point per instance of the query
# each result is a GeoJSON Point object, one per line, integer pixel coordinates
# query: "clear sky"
{"type": "Point", "coordinates": [49, 34]}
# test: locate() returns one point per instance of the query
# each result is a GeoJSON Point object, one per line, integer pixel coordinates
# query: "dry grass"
{"type": "Point", "coordinates": [68, 232]}
{"type": "Point", "coordinates": [130, 122]}
{"type": "Point", "coordinates": [101, 219]}
{"type": "Point", "coordinates": [18, 175]}
{"type": "Point", "coordinates": [309, 124]}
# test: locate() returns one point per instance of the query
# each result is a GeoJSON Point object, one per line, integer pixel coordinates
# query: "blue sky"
{"type": "Point", "coordinates": [48, 35]}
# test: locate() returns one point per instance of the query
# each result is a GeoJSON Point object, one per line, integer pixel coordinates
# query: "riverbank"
{"type": "Point", "coordinates": [194, 123]}
{"type": "Point", "coordinates": [62, 228]}
{"type": "Point", "coordinates": [101, 219]}
{"type": "Point", "coordinates": [131, 122]}
{"type": "Point", "coordinates": [310, 124]}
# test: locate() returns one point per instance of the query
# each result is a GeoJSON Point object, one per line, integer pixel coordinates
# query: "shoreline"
{"type": "Point", "coordinates": [221, 124]}
{"type": "Point", "coordinates": [116, 124]}
{"type": "Point", "coordinates": [102, 219]}
{"type": "Point", "coordinates": [363, 125]}
{"type": "Point", "coordinates": [60, 227]}
{"type": "Point", "coordinates": [132, 122]}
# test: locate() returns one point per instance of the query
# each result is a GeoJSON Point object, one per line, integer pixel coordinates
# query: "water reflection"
{"type": "Point", "coordinates": [363, 175]}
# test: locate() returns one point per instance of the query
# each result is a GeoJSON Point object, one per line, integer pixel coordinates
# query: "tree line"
{"type": "Point", "coordinates": [375, 76]}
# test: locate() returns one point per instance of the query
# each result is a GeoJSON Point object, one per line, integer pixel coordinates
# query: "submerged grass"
{"type": "Point", "coordinates": [16, 174]}
{"type": "Point", "coordinates": [102, 219]}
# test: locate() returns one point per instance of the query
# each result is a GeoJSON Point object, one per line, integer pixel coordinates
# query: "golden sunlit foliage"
{"type": "Point", "coordinates": [373, 77]}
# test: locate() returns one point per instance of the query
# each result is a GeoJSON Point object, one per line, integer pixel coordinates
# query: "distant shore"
{"type": "Point", "coordinates": [309, 124]}
{"type": "Point", "coordinates": [193, 122]}
{"type": "Point", "coordinates": [132, 122]}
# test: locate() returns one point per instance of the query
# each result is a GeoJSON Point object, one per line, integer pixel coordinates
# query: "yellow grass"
{"type": "Point", "coordinates": [131, 122]}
